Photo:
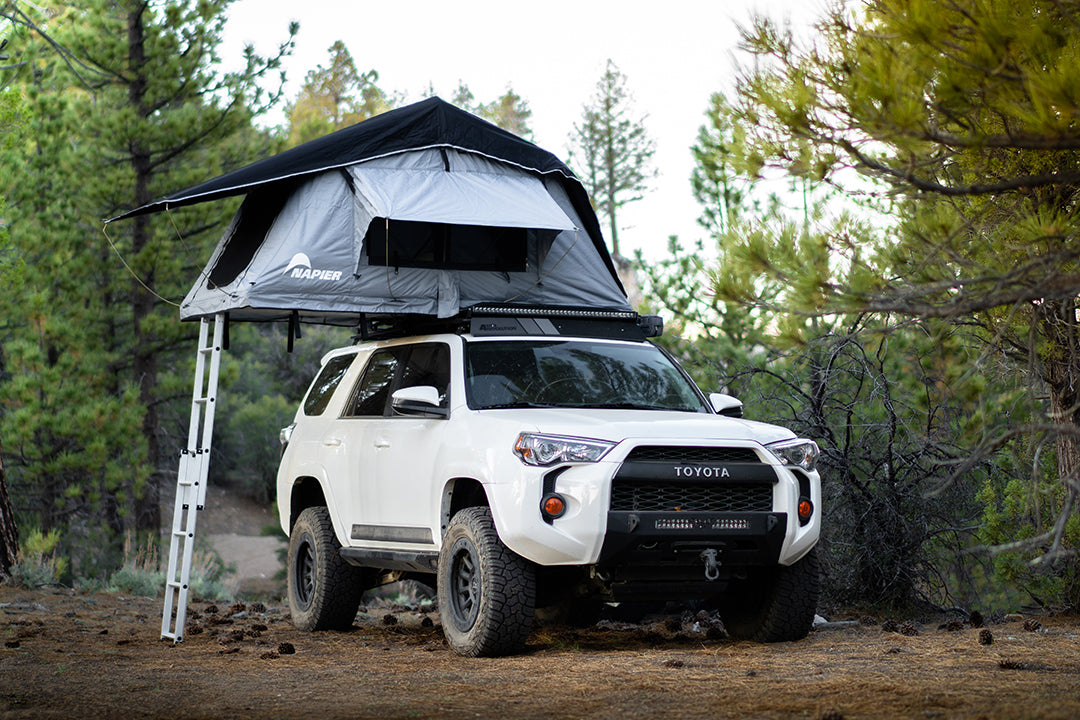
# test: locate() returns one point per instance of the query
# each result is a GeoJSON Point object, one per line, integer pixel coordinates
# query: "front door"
{"type": "Point", "coordinates": [396, 456]}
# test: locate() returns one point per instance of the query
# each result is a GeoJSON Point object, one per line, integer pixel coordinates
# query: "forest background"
{"type": "Point", "coordinates": [888, 264]}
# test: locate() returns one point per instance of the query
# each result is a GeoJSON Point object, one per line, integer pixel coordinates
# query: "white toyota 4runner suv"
{"type": "Point", "coordinates": [524, 462]}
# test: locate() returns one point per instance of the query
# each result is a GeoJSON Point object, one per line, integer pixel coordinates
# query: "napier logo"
{"type": "Point", "coordinates": [300, 267]}
{"type": "Point", "coordinates": [701, 472]}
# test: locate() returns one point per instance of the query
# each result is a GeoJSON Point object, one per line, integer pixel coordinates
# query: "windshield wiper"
{"type": "Point", "coordinates": [630, 406]}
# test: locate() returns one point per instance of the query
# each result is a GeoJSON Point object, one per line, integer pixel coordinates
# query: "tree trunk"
{"type": "Point", "coordinates": [9, 534]}
{"type": "Point", "coordinates": [147, 510]}
{"type": "Point", "coordinates": [1061, 371]}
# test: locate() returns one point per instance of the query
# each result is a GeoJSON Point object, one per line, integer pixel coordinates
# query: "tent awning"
{"type": "Point", "coordinates": [459, 198]}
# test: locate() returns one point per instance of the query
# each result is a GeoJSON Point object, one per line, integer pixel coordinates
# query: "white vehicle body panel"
{"type": "Point", "coordinates": [385, 479]}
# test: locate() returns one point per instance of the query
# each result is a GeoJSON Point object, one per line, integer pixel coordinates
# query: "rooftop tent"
{"type": "Point", "coordinates": [422, 210]}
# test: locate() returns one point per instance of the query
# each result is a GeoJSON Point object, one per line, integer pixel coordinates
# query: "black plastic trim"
{"type": "Point", "coordinates": [416, 561]}
{"type": "Point", "coordinates": [388, 533]}
{"type": "Point", "coordinates": [743, 538]}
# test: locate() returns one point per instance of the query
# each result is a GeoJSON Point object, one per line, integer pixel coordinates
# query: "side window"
{"type": "Point", "coordinates": [428, 364]}
{"type": "Point", "coordinates": [327, 381]}
{"type": "Point", "coordinates": [374, 389]}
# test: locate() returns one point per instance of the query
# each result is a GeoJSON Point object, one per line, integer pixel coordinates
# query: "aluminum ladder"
{"type": "Point", "coordinates": [191, 478]}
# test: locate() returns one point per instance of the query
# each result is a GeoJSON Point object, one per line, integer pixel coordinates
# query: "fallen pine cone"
{"type": "Point", "coordinates": [986, 637]}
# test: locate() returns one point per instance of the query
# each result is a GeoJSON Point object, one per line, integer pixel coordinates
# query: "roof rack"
{"type": "Point", "coordinates": [493, 320]}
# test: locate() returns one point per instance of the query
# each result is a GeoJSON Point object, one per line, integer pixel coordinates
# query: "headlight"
{"type": "Point", "coordinates": [536, 449]}
{"type": "Point", "coordinates": [798, 453]}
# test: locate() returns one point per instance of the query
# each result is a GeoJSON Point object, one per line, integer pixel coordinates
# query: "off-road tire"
{"type": "Point", "coordinates": [324, 590]}
{"type": "Point", "coordinates": [776, 605]}
{"type": "Point", "coordinates": [487, 594]}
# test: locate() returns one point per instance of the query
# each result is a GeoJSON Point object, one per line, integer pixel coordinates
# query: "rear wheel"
{"type": "Point", "coordinates": [324, 590]}
{"type": "Point", "coordinates": [776, 605]}
{"type": "Point", "coordinates": [487, 593]}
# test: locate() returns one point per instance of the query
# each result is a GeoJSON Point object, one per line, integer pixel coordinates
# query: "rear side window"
{"type": "Point", "coordinates": [323, 388]}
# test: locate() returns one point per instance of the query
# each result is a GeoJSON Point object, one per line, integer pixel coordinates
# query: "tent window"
{"type": "Point", "coordinates": [257, 215]}
{"type": "Point", "coordinates": [408, 243]}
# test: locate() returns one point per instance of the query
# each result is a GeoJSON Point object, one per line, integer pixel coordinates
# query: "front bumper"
{"type": "Point", "coordinates": [745, 531]}
{"type": "Point", "coordinates": [740, 539]}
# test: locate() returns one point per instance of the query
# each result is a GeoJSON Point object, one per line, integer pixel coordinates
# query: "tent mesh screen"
{"type": "Point", "coordinates": [408, 243]}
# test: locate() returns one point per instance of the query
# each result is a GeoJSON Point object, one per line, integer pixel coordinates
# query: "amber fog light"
{"type": "Point", "coordinates": [553, 506]}
{"type": "Point", "coordinates": [806, 509]}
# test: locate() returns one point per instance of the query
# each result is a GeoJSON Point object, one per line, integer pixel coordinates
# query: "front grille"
{"type": "Point", "coordinates": [645, 496]}
{"type": "Point", "coordinates": [708, 455]}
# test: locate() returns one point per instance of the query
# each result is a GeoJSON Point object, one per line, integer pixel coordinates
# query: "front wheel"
{"type": "Point", "coordinates": [487, 593]}
{"type": "Point", "coordinates": [776, 605]}
{"type": "Point", "coordinates": [324, 590]}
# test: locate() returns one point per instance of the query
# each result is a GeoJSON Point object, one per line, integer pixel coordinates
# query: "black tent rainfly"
{"type": "Point", "coordinates": [423, 210]}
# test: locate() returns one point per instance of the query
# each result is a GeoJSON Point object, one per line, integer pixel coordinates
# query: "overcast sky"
{"type": "Point", "coordinates": [674, 56]}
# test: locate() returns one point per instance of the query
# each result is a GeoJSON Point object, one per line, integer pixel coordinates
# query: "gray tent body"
{"type": "Point", "coordinates": [328, 254]}
{"type": "Point", "coordinates": [423, 210]}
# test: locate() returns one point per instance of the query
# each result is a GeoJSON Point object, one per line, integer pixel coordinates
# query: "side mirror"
{"type": "Point", "coordinates": [422, 400]}
{"type": "Point", "coordinates": [726, 405]}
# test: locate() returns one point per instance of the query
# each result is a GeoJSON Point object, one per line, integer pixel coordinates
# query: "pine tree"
{"type": "Point", "coordinates": [335, 97]}
{"type": "Point", "coordinates": [612, 150]}
{"type": "Point", "coordinates": [510, 111]}
{"type": "Point", "coordinates": [9, 533]}
{"type": "Point", "coordinates": [968, 114]}
{"type": "Point", "coordinates": [722, 194]}
{"type": "Point", "coordinates": [92, 357]}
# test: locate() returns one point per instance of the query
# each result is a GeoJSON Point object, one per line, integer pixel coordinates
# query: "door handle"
{"type": "Point", "coordinates": [382, 444]}
{"type": "Point", "coordinates": [332, 442]}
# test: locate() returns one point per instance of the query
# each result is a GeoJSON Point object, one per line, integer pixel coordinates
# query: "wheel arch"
{"type": "Point", "coordinates": [306, 492]}
{"type": "Point", "coordinates": [458, 494]}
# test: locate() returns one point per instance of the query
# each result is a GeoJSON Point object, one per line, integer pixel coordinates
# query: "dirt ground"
{"type": "Point", "coordinates": [67, 654]}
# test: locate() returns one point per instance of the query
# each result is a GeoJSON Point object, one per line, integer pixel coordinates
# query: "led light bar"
{"type": "Point", "coordinates": [533, 311]}
{"type": "Point", "coordinates": [702, 524]}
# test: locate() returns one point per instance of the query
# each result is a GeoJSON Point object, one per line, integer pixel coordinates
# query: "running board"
{"type": "Point", "coordinates": [424, 561]}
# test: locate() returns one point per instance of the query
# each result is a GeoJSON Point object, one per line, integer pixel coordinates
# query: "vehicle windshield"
{"type": "Point", "coordinates": [575, 374]}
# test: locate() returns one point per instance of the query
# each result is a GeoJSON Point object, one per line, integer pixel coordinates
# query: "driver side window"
{"type": "Point", "coordinates": [373, 392]}
{"type": "Point", "coordinates": [399, 367]}
{"type": "Point", "coordinates": [428, 364]}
